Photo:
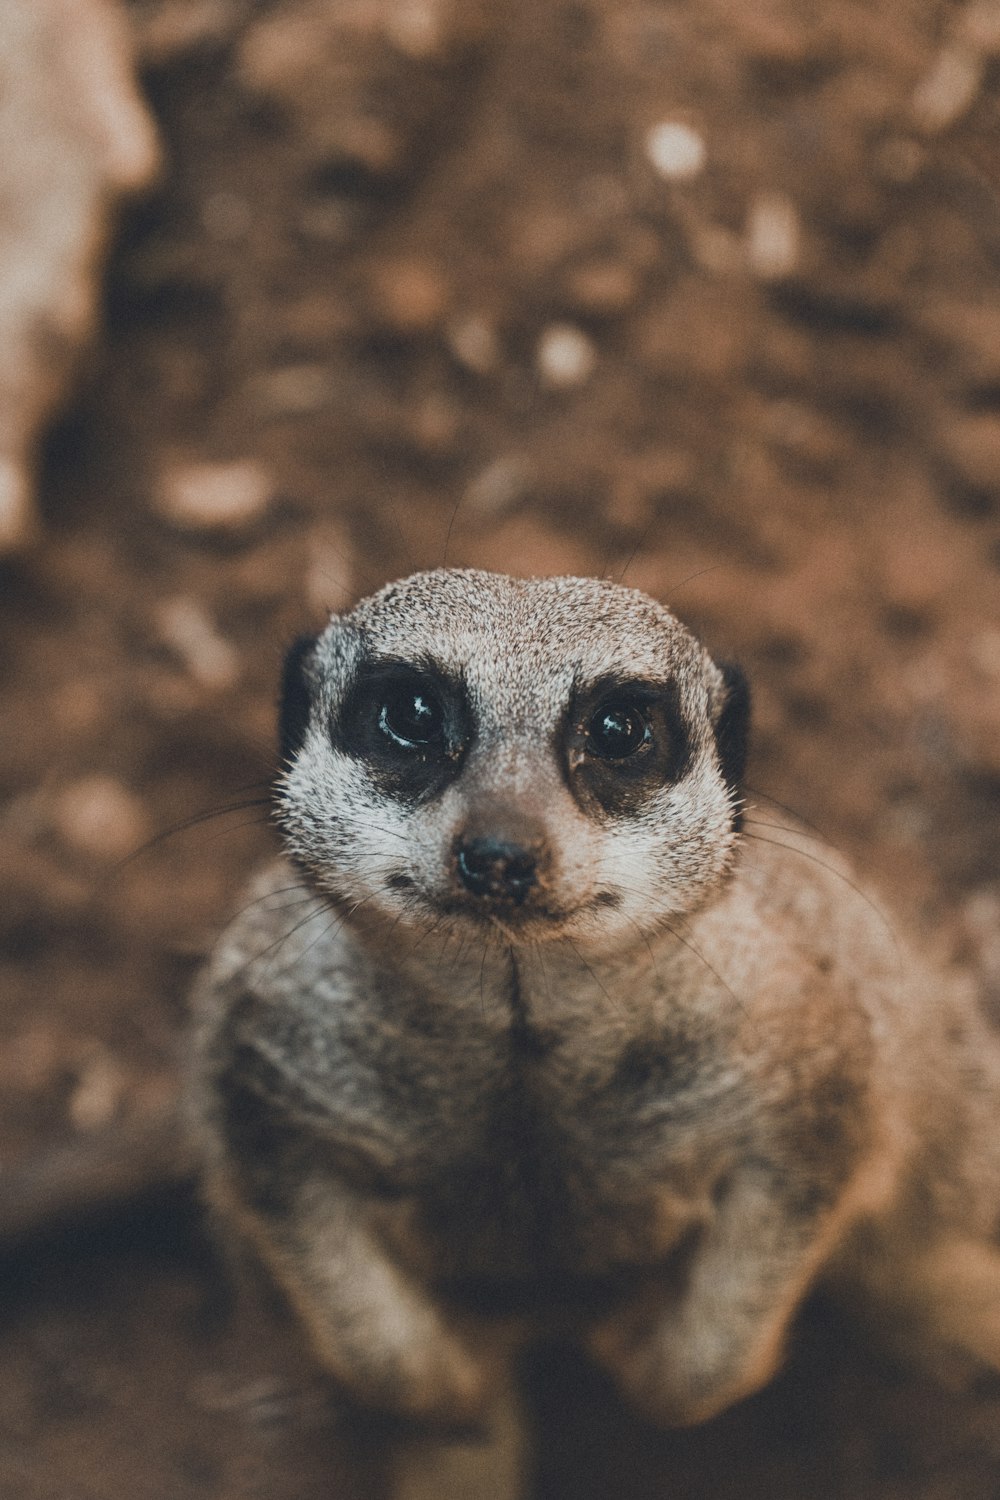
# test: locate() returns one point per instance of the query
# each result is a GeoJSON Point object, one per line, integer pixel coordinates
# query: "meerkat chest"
{"type": "Point", "coordinates": [513, 1158]}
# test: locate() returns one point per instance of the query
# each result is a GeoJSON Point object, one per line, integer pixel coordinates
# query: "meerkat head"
{"type": "Point", "coordinates": [557, 757]}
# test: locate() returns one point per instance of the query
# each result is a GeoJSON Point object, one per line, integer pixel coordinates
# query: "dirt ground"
{"type": "Point", "coordinates": [703, 295]}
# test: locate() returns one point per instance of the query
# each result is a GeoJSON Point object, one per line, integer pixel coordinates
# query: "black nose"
{"type": "Point", "coordinates": [496, 869]}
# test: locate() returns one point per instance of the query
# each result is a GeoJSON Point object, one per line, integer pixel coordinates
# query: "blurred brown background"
{"type": "Point", "coordinates": [705, 296]}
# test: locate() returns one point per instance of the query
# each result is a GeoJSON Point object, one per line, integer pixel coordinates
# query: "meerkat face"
{"type": "Point", "coordinates": [554, 757]}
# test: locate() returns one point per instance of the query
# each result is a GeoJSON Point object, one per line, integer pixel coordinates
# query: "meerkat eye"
{"type": "Point", "coordinates": [618, 730]}
{"type": "Point", "coordinates": [410, 714]}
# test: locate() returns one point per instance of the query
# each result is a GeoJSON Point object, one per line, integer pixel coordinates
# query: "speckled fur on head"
{"type": "Point", "coordinates": [523, 661]}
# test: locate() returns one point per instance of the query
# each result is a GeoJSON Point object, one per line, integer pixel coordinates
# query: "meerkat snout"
{"type": "Point", "coordinates": [501, 857]}
{"type": "Point", "coordinates": [497, 870]}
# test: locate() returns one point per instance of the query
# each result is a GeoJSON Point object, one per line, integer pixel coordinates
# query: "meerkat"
{"type": "Point", "coordinates": [526, 1034]}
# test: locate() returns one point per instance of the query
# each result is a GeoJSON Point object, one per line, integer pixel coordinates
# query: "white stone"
{"type": "Point", "coordinates": [497, 488]}
{"type": "Point", "coordinates": [566, 356]}
{"type": "Point", "coordinates": [947, 90]}
{"type": "Point", "coordinates": [214, 496]}
{"type": "Point", "coordinates": [101, 818]}
{"type": "Point", "coordinates": [676, 150]}
{"type": "Point", "coordinates": [185, 627]}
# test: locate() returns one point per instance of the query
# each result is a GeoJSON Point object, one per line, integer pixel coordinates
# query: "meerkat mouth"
{"type": "Point", "coordinates": [519, 922]}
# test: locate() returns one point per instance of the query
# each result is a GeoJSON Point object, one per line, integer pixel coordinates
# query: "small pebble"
{"type": "Point", "coordinates": [100, 1089]}
{"type": "Point", "coordinates": [971, 444]}
{"type": "Point", "coordinates": [984, 649]}
{"type": "Point", "coordinates": [418, 28]}
{"type": "Point", "coordinates": [979, 27]}
{"type": "Point", "coordinates": [473, 342]}
{"type": "Point", "coordinates": [803, 434]}
{"type": "Point", "coordinates": [409, 295]}
{"type": "Point", "coordinates": [99, 817]}
{"type": "Point", "coordinates": [602, 287]}
{"type": "Point", "coordinates": [172, 31]}
{"type": "Point", "coordinates": [772, 236]}
{"type": "Point", "coordinates": [185, 627]}
{"type": "Point", "coordinates": [433, 424]}
{"type": "Point", "coordinates": [676, 150]}
{"type": "Point", "coordinates": [566, 356]}
{"type": "Point", "coordinates": [214, 496]}
{"type": "Point", "coordinates": [945, 93]}
{"type": "Point", "coordinates": [17, 521]}
{"type": "Point", "coordinates": [31, 1060]}
{"type": "Point", "coordinates": [718, 251]}
{"type": "Point", "coordinates": [293, 390]}
{"type": "Point", "coordinates": [498, 488]}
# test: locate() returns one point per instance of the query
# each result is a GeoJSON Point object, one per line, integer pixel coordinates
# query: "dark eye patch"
{"type": "Point", "coordinates": [623, 740]}
{"type": "Point", "coordinates": [409, 722]}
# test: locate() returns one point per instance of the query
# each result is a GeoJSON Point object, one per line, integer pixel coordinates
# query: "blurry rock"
{"type": "Point", "coordinates": [783, 47]}
{"type": "Point", "coordinates": [183, 625]}
{"type": "Point", "coordinates": [17, 516]}
{"type": "Point", "coordinates": [473, 342]}
{"type": "Point", "coordinates": [566, 356]}
{"type": "Point", "coordinates": [167, 32]}
{"type": "Point", "coordinates": [806, 439]}
{"type": "Point", "coordinates": [917, 573]}
{"type": "Point", "coordinates": [948, 89]}
{"type": "Point", "coordinates": [432, 424]}
{"type": "Point", "coordinates": [292, 390]}
{"type": "Point", "coordinates": [978, 27]}
{"type": "Point", "coordinates": [984, 651]}
{"type": "Point", "coordinates": [408, 295]}
{"type": "Point", "coordinates": [970, 445]}
{"type": "Point", "coordinates": [100, 1090]}
{"type": "Point", "coordinates": [718, 251]}
{"type": "Point", "coordinates": [601, 288]}
{"type": "Point", "coordinates": [99, 817]}
{"type": "Point", "coordinates": [214, 496]}
{"type": "Point", "coordinates": [498, 488]}
{"type": "Point", "coordinates": [676, 150]}
{"type": "Point", "coordinates": [360, 82]}
{"type": "Point", "coordinates": [74, 137]}
{"type": "Point", "coordinates": [772, 236]}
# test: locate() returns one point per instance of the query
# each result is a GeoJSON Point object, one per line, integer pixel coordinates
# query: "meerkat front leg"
{"type": "Point", "coordinates": [683, 1352]}
{"type": "Point", "coordinates": [375, 1328]}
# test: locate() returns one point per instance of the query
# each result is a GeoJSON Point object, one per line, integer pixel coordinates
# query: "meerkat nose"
{"type": "Point", "coordinates": [497, 869]}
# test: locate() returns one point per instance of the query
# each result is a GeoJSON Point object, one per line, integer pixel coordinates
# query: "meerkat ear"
{"type": "Point", "coordinates": [293, 712]}
{"type": "Point", "coordinates": [731, 722]}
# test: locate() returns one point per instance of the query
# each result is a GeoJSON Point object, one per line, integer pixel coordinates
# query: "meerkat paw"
{"type": "Point", "coordinates": [491, 1464]}
{"type": "Point", "coordinates": [434, 1380]}
{"type": "Point", "coordinates": [678, 1375]}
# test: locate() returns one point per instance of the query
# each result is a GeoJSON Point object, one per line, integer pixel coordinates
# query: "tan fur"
{"type": "Point", "coordinates": [648, 1106]}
